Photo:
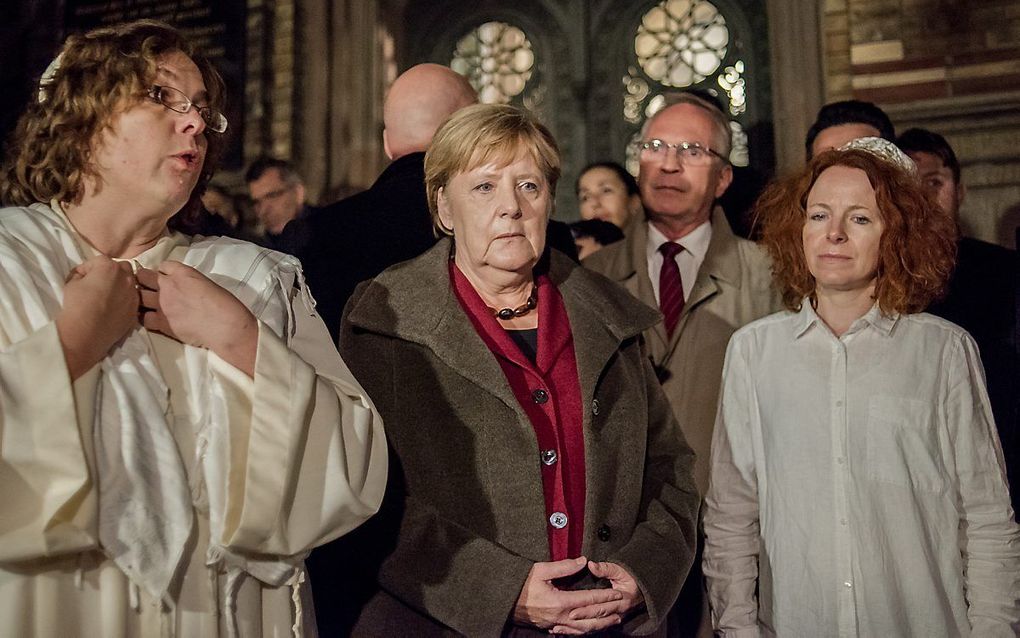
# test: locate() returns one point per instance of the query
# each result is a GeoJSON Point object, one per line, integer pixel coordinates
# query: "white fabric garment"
{"type": "Point", "coordinates": [695, 244]}
{"type": "Point", "coordinates": [270, 467]}
{"type": "Point", "coordinates": [859, 482]}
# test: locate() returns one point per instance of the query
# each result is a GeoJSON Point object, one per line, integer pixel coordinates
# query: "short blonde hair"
{"type": "Point", "coordinates": [101, 73]}
{"type": "Point", "coordinates": [483, 133]}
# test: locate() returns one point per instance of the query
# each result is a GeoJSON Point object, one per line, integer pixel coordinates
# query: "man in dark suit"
{"type": "Point", "coordinates": [278, 197]}
{"type": "Point", "coordinates": [358, 237]}
{"type": "Point", "coordinates": [982, 291]}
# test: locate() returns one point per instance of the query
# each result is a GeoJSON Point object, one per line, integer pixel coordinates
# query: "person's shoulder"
{"type": "Point", "coordinates": [753, 339]}
{"type": "Point", "coordinates": [767, 325]}
{"type": "Point", "coordinates": [979, 258]}
{"type": "Point", "coordinates": [33, 225]}
{"type": "Point", "coordinates": [613, 260]}
{"type": "Point", "coordinates": [404, 290]}
{"type": "Point", "coordinates": [752, 254]}
{"type": "Point", "coordinates": [970, 245]}
{"type": "Point", "coordinates": [753, 265]}
{"type": "Point", "coordinates": [932, 328]}
{"type": "Point", "coordinates": [11, 212]}
{"type": "Point", "coordinates": [608, 298]}
{"type": "Point", "coordinates": [38, 213]}
{"type": "Point", "coordinates": [229, 249]}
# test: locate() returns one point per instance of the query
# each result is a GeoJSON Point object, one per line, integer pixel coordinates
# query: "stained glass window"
{"type": "Point", "coordinates": [497, 59]}
{"type": "Point", "coordinates": [683, 44]}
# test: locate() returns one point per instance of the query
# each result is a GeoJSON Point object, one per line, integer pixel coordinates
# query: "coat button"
{"type": "Point", "coordinates": [558, 520]}
{"type": "Point", "coordinates": [595, 407]}
{"type": "Point", "coordinates": [604, 533]}
{"type": "Point", "coordinates": [548, 457]}
{"type": "Point", "coordinates": [539, 396]}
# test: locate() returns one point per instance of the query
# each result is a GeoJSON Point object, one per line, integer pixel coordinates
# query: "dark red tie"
{"type": "Point", "coordinates": [671, 287]}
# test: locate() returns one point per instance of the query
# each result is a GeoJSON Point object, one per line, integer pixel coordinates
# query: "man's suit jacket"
{"type": "Point", "coordinates": [733, 288]}
{"type": "Point", "coordinates": [356, 238]}
{"type": "Point", "coordinates": [982, 299]}
{"type": "Point", "coordinates": [465, 511]}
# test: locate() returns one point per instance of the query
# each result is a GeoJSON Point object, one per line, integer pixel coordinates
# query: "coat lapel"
{"type": "Point", "coordinates": [599, 322]}
{"type": "Point", "coordinates": [423, 292]}
{"type": "Point", "coordinates": [630, 269]}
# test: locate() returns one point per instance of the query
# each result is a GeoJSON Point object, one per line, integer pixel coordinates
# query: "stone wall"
{"type": "Point", "coordinates": [317, 72]}
{"type": "Point", "coordinates": [947, 65]}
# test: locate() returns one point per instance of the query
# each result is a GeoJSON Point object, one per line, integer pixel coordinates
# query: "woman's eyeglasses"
{"type": "Point", "coordinates": [176, 100]}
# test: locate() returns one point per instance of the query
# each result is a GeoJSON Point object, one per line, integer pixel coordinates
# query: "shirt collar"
{"type": "Point", "coordinates": [695, 242]}
{"type": "Point", "coordinates": [807, 317]}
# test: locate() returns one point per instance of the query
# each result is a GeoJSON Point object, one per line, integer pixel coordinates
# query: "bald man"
{"type": "Point", "coordinates": [418, 103]}
{"type": "Point", "coordinates": [358, 237]}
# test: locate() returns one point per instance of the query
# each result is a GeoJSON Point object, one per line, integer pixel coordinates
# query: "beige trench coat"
{"type": "Point", "coordinates": [733, 288]}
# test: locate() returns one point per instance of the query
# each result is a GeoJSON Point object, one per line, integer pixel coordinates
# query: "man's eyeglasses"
{"type": "Point", "coordinates": [176, 100]}
{"type": "Point", "coordinates": [687, 153]}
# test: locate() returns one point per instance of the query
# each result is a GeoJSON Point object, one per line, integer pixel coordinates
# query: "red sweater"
{"type": "Point", "coordinates": [550, 393]}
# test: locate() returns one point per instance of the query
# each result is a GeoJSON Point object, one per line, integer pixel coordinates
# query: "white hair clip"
{"type": "Point", "coordinates": [884, 149]}
{"type": "Point", "coordinates": [47, 77]}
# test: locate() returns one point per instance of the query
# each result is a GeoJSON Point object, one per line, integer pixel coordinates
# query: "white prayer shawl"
{"type": "Point", "coordinates": [145, 501]}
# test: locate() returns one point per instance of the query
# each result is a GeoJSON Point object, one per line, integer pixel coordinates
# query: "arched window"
{"type": "Point", "coordinates": [498, 60]}
{"type": "Point", "coordinates": [685, 44]}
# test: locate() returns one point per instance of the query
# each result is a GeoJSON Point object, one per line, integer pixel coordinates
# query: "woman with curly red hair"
{"type": "Point", "coordinates": [857, 484]}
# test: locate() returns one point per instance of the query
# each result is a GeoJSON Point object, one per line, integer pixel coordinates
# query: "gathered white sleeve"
{"type": "Point", "coordinates": [305, 459]}
{"type": "Point", "coordinates": [989, 536]}
{"type": "Point", "coordinates": [47, 498]}
{"type": "Point", "coordinates": [731, 505]}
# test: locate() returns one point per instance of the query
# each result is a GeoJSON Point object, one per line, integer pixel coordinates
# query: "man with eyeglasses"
{"type": "Point", "coordinates": [278, 196]}
{"type": "Point", "coordinates": [685, 260]}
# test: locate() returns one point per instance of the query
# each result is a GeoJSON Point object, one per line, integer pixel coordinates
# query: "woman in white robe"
{"type": "Point", "coordinates": [177, 429]}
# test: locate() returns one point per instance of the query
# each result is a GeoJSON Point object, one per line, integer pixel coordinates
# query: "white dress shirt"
{"type": "Point", "coordinates": [689, 259]}
{"type": "Point", "coordinates": [859, 482]}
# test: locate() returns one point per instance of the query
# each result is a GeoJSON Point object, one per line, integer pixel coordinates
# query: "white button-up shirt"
{"type": "Point", "coordinates": [858, 481]}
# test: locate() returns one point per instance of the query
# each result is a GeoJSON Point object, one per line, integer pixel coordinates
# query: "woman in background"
{"type": "Point", "coordinates": [606, 191]}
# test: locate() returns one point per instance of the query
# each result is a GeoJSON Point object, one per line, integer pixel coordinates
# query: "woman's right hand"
{"type": "Point", "coordinates": [545, 606]}
{"type": "Point", "coordinates": [100, 307]}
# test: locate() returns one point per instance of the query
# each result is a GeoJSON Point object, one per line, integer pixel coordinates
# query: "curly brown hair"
{"type": "Point", "coordinates": [101, 73]}
{"type": "Point", "coordinates": [917, 250]}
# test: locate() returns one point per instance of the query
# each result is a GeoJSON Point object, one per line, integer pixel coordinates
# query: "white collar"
{"type": "Point", "coordinates": [695, 242]}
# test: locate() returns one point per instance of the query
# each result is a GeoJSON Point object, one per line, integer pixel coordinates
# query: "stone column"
{"type": "Point", "coordinates": [798, 75]}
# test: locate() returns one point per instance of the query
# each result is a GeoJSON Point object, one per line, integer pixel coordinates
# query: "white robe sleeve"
{"type": "Point", "coordinates": [47, 498]}
{"type": "Point", "coordinates": [305, 455]}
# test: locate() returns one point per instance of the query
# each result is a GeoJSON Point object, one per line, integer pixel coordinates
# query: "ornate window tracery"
{"type": "Point", "coordinates": [498, 60]}
{"type": "Point", "coordinates": [683, 44]}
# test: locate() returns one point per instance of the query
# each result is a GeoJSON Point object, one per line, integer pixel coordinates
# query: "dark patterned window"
{"type": "Point", "coordinates": [498, 60]}
{"type": "Point", "coordinates": [682, 44]}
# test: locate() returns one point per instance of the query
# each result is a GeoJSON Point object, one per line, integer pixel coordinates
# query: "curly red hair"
{"type": "Point", "coordinates": [917, 251]}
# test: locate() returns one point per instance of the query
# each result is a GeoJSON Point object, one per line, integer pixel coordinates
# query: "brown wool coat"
{"type": "Point", "coordinates": [465, 512]}
{"type": "Point", "coordinates": [733, 288]}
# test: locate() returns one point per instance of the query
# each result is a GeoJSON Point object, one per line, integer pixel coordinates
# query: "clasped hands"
{"type": "Point", "coordinates": [576, 612]}
{"type": "Point", "coordinates": [104, 300]}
